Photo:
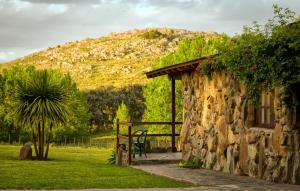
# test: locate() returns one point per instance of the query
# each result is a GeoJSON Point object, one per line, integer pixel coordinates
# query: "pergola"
{"type": "Point", "coordinates": [174, 72]}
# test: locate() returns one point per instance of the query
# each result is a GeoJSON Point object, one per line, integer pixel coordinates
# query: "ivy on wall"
{"type": "Point", "coordinates": [263, 57]}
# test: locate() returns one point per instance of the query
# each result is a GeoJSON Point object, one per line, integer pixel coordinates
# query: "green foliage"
{"type": "Point", "coordinates": [206, 68]}
{"type": "Point", "coordinates": [192, 48]}
{"type": "Point", "coordinates": [105, 102]}
{"type": "Point", "coordinates": [76, 124]}
{"type": "Point", "coordinates": [152, 34]}
{"type": "Point", "coordinates": [112, 158]}
{"type": "Point", "coordinates": [8, 127]}
{"type": "Point", "coordinates": [158, 102]}
{"type": "Point", "coordinates": [158, 91]}
{"type": "Point", "coordinates": [123, 115]}
{"type": "Point", "coordinates": [264, 57]}
{"type": "Point", "coordinates": [42, 102]}
{"type": "Point", "coordinates": [194, 163]}
{"type": "Point", "coordinates": [42, 98]}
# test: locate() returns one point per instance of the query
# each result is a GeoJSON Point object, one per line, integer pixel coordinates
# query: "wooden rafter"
{"type": "Point", "coordinates": [178, 68]}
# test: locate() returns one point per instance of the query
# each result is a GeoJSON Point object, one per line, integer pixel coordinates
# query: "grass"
{"type": "Point", "coordinates": [75, 168]}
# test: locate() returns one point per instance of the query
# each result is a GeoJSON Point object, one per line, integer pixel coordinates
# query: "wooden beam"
{"type": "Point", "coordinates": [185, 66]}
{"type": "Point", "coordinates": [134, 123]}
{"type": "Point", "coordinates": [129, 145]}
{"type": "Point", "coordinates": [150, 135]}
{"type": "Point", "coordinates": [117, 139]}
{"type": "Point", "coordinates": [173, 115]}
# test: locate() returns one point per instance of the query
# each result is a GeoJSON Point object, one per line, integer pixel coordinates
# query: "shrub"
{"type": "Point", "coordinates": [194, 163]}
{"type": "Point", "coordinates": [123, 116]}
{"type": "Point", "coordinates": [112, 158]}
{"type": "Point", "coordinates": [152, 34]}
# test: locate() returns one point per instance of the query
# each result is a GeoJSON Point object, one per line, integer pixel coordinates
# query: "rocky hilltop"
{"type": "Point", "coordinates": [117, 59]}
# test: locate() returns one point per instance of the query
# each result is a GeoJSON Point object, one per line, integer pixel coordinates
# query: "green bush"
{"type": "Point", "coordinates": [152, 34]}
{"type": "Point", "coordinates": [112, 158]}
{"type": "Point", "coordinates": [104, 104]}
{"type": "Point", "coordinates": [123, 116]}
{"type": "Point", "coordinates": [194, 163]}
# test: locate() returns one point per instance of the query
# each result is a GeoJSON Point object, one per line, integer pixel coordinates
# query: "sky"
{"type": "Point", "coordinates": [27, 26]}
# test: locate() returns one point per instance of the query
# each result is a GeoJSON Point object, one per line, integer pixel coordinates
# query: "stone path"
{"type": "Point", "coordinates": [212, 180]}
{"type": "Point", "coordinates": [127, 189]}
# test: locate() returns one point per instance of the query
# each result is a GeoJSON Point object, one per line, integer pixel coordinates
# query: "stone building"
{"type": "Point", "coordinates": [223, 130]}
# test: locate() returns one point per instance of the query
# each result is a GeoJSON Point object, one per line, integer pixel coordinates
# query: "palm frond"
{"type": "Point", "coordinates": [42, 97]}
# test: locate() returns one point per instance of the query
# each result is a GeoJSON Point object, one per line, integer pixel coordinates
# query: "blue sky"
{"type": "Point", "coordinates": [32, 25]}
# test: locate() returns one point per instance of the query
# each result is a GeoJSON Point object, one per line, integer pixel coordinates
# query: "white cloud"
{"type": "Point", "coordinates": [21, 5]}
{"type": "Point", "coordinates": [3, 56]}
{"type": "Point", "coordinates": [28, 25]}
{"type": "Point", "coordinates": [144, 10]}
{"type": "Point", "coordinates": [57, 8]}
{"type": "Point", "coordinates": [6, 55]}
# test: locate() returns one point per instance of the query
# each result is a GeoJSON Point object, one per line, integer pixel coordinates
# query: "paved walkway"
{"type": "Point", "coordinates": [212, 180]}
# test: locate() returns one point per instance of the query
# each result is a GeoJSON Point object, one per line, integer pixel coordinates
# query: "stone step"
{"type": "Point", "coordinates": [157, 158]}
{"type": "Point", "coordinates": [153, 162]}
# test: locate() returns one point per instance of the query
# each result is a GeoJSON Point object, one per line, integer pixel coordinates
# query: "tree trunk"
{"type": "Point", "coordinates": [43, 138]}
{"type": "Point", "coordinates": [40, 141]}
{"type": "Point", "coordinates": [34, 144]}
{"type": "Point", "coordinates": [48, 142]}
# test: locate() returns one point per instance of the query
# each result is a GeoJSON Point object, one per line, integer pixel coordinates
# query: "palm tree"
{"type": "Point", "coordinates": [42, 103]}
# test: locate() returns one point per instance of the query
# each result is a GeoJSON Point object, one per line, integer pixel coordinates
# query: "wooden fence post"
{"type": "Point", "coordinates": [173, 115]}
{"type": "Point", "coordinates": [129, 144]}
{"type": "Point", "coordinates": [117, 137]}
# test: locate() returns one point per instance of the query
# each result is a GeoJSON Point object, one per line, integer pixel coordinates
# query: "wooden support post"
{"type": "Point", "coordinates": [173, 115]}
{"type": "Point", "coordinates": [129, 145]}
{"type": "Point", "coordinates": [117, 138]}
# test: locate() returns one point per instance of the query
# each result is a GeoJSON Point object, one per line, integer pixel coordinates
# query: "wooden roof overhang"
{"type": "Point", "coordinates": [177, 69]}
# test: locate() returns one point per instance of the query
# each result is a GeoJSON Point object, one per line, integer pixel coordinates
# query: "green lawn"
{"type": "Point", "coordinates": [72, 168]}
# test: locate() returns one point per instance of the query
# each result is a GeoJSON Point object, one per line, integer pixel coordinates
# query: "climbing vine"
{"type": "Point", "coordinates": [263, 57]}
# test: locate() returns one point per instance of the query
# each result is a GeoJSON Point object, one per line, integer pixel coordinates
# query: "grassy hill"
{"type": "Point", "coordinates": [111, 68]}
{"type": "Point", "coordinates": [118, 59]}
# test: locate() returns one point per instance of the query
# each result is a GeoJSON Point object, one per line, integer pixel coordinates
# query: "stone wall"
{"type": "Point", "coordinates": [218, 129]}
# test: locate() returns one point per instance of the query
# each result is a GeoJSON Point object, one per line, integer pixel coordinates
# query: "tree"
{"type": "Point", "coordinates": [123, 116]}
{"type": "Point", "coordinates": [78, 122]}
{"type": "Point", "coordinates": [105, 102]}
{"type": "Point", "coordinates": [8, 81]}
{"type": "Point", "coordinates": [42, 102]}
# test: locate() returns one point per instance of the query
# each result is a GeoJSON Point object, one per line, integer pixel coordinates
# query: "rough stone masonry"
{"type": "Point", "coordinates": [219, 129]}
